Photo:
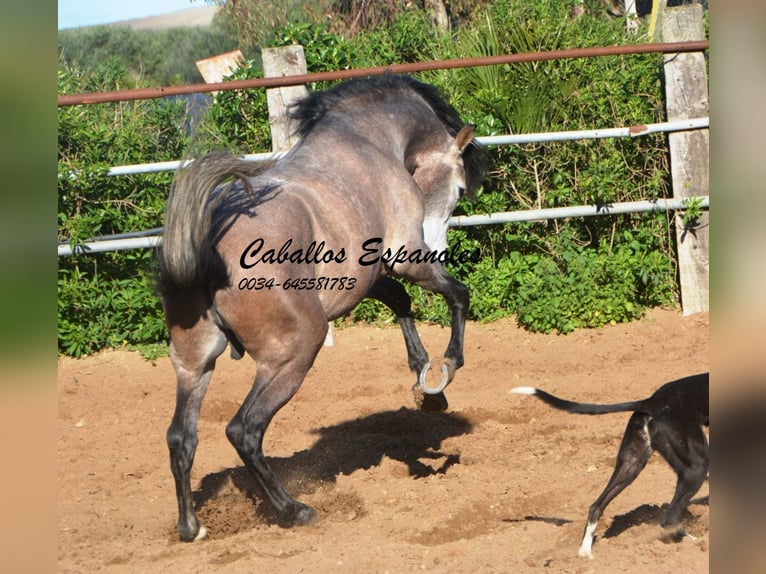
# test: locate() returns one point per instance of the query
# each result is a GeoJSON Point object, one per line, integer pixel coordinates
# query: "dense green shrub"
{"type": "Point", "coordinates": [107, 299]}
{"type": "Point", "coordinates": [237, 120]}
{"type": "Point", "coordinates": [564, 274]}
{"type": "Point", "coordinates": [553, 276]}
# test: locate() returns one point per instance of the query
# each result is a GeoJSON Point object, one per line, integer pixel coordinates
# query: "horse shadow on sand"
{"type": "Point", "coordinates": [412, 437]}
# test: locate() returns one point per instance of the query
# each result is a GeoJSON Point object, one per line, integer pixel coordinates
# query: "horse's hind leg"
{"type": "Point", "coordinates": [282, 366]}
{"type": "Point", "coordinates": [195, 343]}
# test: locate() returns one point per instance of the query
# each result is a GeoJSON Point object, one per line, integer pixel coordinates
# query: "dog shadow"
{"type": "Point", "coordinates": [647, 514]}
{"type": "Point", "coordinates": [410, 436]}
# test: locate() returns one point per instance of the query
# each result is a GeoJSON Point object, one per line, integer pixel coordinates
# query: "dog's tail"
{"type": "Point", "coordinates": [575, 407]}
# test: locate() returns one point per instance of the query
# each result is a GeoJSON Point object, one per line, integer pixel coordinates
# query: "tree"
{"type": "Point", "coordinates": [253, 21]}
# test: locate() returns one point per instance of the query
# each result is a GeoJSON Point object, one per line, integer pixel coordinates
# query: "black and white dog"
{"type": "Point", "coordinates": [670, 422]}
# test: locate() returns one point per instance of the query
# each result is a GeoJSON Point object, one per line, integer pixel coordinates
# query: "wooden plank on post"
{"type": "Point", "coordinates": [686, 93]}
{"type": "Point", "coordinates": [216, 68]}
{"type": "Point", "coordinates": [278, 62]}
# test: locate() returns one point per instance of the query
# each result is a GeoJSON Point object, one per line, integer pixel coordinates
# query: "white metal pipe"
{"type": "Point", "coordinates": [457, 221]}
{"type": "Point", "coordinates": [111, 245]}
{"type": "Point", "coordinates": [575, 211]}
{"type": "Point", "coordinates": [173, 165]}
{"type": "Point", "coordinates": [144, 168]}
{"type": "Point", "coordinates": [632, 131]}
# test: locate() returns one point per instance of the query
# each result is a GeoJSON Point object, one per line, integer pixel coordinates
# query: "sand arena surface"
{"type": "Point", "coordinates": [498, 483]}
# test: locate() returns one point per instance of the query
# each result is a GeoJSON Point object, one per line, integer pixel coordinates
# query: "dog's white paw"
{"type": "Point", "coordinates": [585, 553]}
{"type": "Point", "coordinates": [587, 540]}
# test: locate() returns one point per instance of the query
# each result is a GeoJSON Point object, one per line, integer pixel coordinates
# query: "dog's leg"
{"type": "Point", "coordinates": [634, 452]}
{"type": "Point", "coordinates": [684, 445]}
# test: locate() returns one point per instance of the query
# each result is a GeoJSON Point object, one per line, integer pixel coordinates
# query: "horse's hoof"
{"type": "Point", "coordinates": [201, 535]}
{"type": "Point", "coordinates": [429, 403]}
{"type": "Point", "coordinates": [191, 536]}
{"type": "Point", "coordinates": [303, 516]}
{"type": "Point", "coordinates": [434, 403]}
{"type": "Point", "coordinates": [447, 368]}
{"type": "Point", "coordinates": [674, 535]}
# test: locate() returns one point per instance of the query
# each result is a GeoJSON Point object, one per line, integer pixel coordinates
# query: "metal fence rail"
{"type": "Point", "coordinates": [151, 241]}
{"type": "Point", "coordinates": [141, 241]}
{"type": "Point", "coordinates": [152, 238]}
{"type": "Point", "coordinates": [632, 131]}
{"type": "Point", "coordinates": [408, 68]}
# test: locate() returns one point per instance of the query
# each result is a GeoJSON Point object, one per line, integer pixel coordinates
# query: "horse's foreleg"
{"type": "Point", "coordinates": [436, 279]}
{"type": "Point", "coordinates": [395, 297]}
{"type": "Point", "coordinates": [457, 297]}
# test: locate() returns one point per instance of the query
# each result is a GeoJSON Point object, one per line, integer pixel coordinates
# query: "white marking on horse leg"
{"type": "Point", "coordinates": [587, 540]}
{"type": "Point", "coordinates": [435, 233]}
{"type": "Point", "coordinates": [328, 339]}
{"type": "Point", "coordinates": [524, 390]}
{"type": "Point", "coordinates": [687, 535]}
{"type": "Point", "coordinates": [201, 534]}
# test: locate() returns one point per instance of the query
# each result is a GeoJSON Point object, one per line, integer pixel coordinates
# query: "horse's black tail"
{"type": "Point", "coordinates": [187, 257]}
{"type": "Point", "coordinates": [575, 407]}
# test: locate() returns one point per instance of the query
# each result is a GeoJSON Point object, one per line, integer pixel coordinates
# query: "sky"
{"type": "Point", "coordinates": [74, 13]}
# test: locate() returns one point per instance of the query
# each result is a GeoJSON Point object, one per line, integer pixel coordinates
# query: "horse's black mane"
{"type": "Point", "coordinates": [310, 110]}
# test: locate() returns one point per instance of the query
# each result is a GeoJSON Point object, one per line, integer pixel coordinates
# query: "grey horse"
{"type": "Point", "coordinates": [262, 258]}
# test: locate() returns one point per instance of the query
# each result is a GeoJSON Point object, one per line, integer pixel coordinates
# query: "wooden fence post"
{"type": "Point", "coordinates": [655, 18]}
{"type": "Point", "coordinates": [686, 94]}
{"type": "Point", "coordinates": [277, 62]}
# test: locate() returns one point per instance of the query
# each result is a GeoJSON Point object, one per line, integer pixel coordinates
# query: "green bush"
{"type": "Point", "coordinates": [237, 120]}
{"type": "Point", "coordinates": [552, 276]}
{"type": "Point", "coordinates": [578, 272]}
{"type": "Point", "coordinates": [107, 299]}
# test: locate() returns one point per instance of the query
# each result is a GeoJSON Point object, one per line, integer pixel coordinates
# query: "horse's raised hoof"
{"type": "Point", "coordinates": [429, 403]}
{"type": "Point", "coordinates": [447, 369]}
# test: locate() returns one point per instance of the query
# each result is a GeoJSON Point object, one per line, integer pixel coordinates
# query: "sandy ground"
{"type": "Point", "coordinates": [498, 483]}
